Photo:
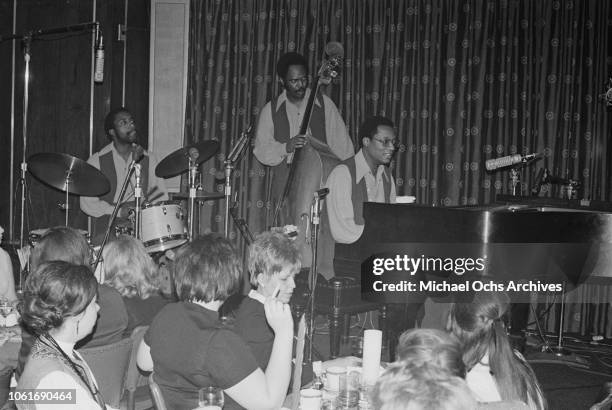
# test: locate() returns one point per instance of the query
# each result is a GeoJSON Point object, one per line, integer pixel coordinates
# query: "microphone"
{"type": "Point", "coordinates": [137, 153]}
{"type": "Point", "coordinates": [333, 49]}
{"type": "Point", "coordinates": [321, 193]}
{"type": "Point", "coordinates": [99, 56]}
{"type": "Point", "coordinates": [493, 164]}
{"type": "Point", "coordinates": [194, 154]}
{"type": "Point", "coordinates": [237, 150]}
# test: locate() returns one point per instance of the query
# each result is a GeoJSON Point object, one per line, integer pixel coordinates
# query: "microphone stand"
{"type": "Point", "coordinates": [193, 170]}
{"type": "Point", "coordinates": [515, 176]}
{"type": "Point", "coordinates": [315, 221]}
{"type": "Point", "coordinates": [26, 40]}
{"type": "Point", "coordinates": [137, 202]}
{"type": "Point", "coordinates": [114, 213]}
{"type": "Point", "coordinates": [230, 163]}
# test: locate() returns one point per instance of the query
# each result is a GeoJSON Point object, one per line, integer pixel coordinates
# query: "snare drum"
{"type": "Point", "coordinates": [163, 226]}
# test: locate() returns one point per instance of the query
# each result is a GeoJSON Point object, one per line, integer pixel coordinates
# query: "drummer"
{"type": "Point", "coordinates": [114, 160]}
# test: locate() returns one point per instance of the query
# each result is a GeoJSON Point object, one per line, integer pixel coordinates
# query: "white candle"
{"type": "Point", "coordinates": [372, 346]}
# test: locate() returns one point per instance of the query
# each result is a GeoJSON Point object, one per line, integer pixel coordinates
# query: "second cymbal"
{"type": "Point", "coordinates": [178, 161]}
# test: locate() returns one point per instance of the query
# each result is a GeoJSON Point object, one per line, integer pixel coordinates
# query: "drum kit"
{"type": "Point", "coordinates": [160, 226]}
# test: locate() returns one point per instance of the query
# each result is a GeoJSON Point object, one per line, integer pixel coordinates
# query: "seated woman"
{"type": "Point", "coordinates": [190, 348]}
{"type": "Point", "coordinates": [422, 348]}
{"type": "Point", "coordinates": [60, 307]}
{"type": "Point", "coordinates": [495, 371]}
{"type": "Point", "coordinates": [7, 281]}
{"type": "Point", "coordinates": [131, 271]}
{"type": "Point", "coordinates": [63, 243]}
{"type": "Point", "coordinates": [273, 262]}
{"type": "Point", "coordinates": [405, 387]}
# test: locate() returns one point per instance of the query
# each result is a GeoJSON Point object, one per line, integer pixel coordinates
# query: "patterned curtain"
{"type": "Point", "coordinates": [464, 81]}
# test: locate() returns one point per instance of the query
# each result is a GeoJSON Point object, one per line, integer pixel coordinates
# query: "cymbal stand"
{"type": "Point", "coordinates": [26, 43]}
{"type": "Point", "coordinates": [111, 220]}
{"type": "Point", "coordinates": [193, 171]}
{"type": "Point", "coordinates": [137, 202]}
{"type": "Point", "coordinates": [67, 204]}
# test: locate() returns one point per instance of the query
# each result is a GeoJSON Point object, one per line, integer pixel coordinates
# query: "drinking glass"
{"type": "Point", "coordinates": [210, 398]}
{"type": "Point", "coordinates": [6, 307]}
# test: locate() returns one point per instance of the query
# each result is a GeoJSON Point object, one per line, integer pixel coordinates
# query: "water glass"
{"type": "Point", "coordinates": [210, 398]}
{"type": "Point", "coordinates": [6, 307]}
{"type": "Point", "coordinates": [310, 399]}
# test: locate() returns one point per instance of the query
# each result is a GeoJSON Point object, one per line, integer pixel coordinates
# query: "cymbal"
{"type": "Point", "coordinates": [68, 174]}
{"type": "Point", "coordinates": [201, 195]}
{"type": "Point", "coordinates": [178, 162]}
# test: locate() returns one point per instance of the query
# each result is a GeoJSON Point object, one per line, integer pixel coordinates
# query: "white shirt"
{"type": "Point", "coordinates": [96, 207]}
{"type": "Point", "coordinates": [482, 383]}
{"type": "Point", "coordinates": [253, 294]}
{"type": "Point", "coordinates": [271, 152]}
{"type": "Point", "coordinates": [339, 201]}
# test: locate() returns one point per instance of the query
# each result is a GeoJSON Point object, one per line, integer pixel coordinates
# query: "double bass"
{"type": "Point", "coordinates": [308, 172]}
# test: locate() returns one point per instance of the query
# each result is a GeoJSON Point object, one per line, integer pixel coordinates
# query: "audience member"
{"type": "Point", "coordinates": [7, 281]}
{"type": "Point", "coordinates": [273, 262]}
{"type": "Point", "coordinates": [495, 371]}
{"type": "Point", "coordinates": [131, 271]}
{"type": "Point", "coordinates": [66, 244]}
{"type": "Point", "coordinates": [60, 307]}
{"type": "Point", "coordinates": [422, 348]}
{"type": "Point", "coordinates": [190, 348]}
{"type": "Point", "coordinates": [404, 387]}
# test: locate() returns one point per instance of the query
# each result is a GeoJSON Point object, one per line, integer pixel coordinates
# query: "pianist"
{"type": "Point", "coordinates": [366, 178]}
{"type": "Point", "coordinates": [362, 178]}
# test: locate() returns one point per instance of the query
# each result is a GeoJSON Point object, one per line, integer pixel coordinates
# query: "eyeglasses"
{"type": "Point", "coordinates": [387, 142]}
{"type": "Point", "coordinates": [294, 82]}
{"type": "Point", "coordinates": [125, 122]}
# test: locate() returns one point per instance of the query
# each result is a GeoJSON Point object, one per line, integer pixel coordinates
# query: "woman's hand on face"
{"type": "Point", "coordinates": [278, 314]}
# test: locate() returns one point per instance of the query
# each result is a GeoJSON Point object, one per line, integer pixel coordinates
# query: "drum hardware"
{"type": "Point", "coordinates": [188, 159]}
{"type": "Point", "coordinates": [68, 174]}
{"type": "Point", "coordinates": [137, 202]}
{"type": "Point", "coordinates": [194, 154]}
{"type": "Point", "coordinates": [178, 161]}
{"type": "Point", "coordinates": [230, 163]}
{"type": "Point", "coordinates": [163, 226]}
{"type": "Point", "coordinates": [136, 156]}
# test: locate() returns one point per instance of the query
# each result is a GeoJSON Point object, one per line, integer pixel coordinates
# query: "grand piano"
{"type": "Point", "coordinates": [527, 238]}
{"type": "Point", "coordinates": [583, 232]}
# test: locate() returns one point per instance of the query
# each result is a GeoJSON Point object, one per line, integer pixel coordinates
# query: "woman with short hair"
{"type": "Point", "coordinates": [190, 348]}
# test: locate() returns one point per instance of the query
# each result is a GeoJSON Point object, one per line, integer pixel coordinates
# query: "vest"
{"type": "Point", "coordinates": [281, 122]}
{"type": "Point", "coordinates": [41, 362]}
{"type": "Point", "coordinates": [359, 192]}
{"type": "Point", "coordinates": [107, 167]}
